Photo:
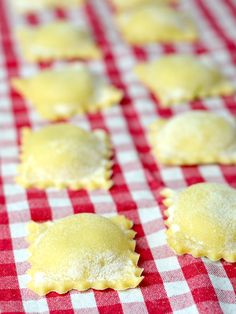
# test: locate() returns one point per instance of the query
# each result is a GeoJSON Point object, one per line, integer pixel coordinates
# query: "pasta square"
{"type": "Point", "coordinates": [86, 92]}
{"type": "Point", "coordinates": [192, 138]}
{"type": "Point", "coordinates": [65, 156]}
{"type": "Point", "coordinates": [57, 40]}
{"type": "Point", "coordinates": [89, 251]}
{"type": "Point", "coordinates": [151, 23]}
{"type": "Point", "coordinates": [121, 5]}
{"type": "Point", "coordinates": [178, 78]}
{"type": "Point", "coordinates": [202, 221]}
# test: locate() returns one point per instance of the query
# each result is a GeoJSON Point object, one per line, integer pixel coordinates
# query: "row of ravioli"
{"type": "Point", "coordinates": [83, 159]}
{"type": "Point", "coordinates": [147, 22]}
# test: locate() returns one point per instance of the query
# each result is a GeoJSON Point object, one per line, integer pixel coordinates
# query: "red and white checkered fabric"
{"type": "Point", "coordinates": [172, 284]}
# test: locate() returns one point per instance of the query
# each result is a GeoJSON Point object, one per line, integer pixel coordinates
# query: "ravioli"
{"type": "Point", "coordinates": [152, 22]}
{"type": "Point", "coordinates": [178, 78]}
{"type": "Point", "coordinates": [121, 5]}
{"type": "Point", "coordinates": [57, 40]}
{"type": "Point", "coordinates": [88, 250]}
{"type": "Point", "coordinates": [27, 6]}
{"type": "Point", "coordinates": [67, 91]}
{"type": "Point", "coordinates": [202, 221]}
{"type": "Point", "coordinates": [65, 156]}
{"type": "Point", "coordinates": [196, 137]}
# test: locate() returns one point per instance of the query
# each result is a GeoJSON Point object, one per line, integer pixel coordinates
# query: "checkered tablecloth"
{"type": "Point", "coordinates": [180, 284]}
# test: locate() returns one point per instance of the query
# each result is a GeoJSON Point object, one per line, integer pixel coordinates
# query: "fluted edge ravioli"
{"type": "Point", "coordinates": [83, 251]}
{"type": "Point", "coordinates": [65, 156]}
{"type": "Point", "coordinates": [202, 221]}
{"type": "Point", "coordinates": [152, 22]}
{"type": "Point", "coordinates": [196, 137]}
{"type": "Point", "coordinates": [87, 91]}
{"type": "Point", "coordinates": [27, 6]}
{"type": "Point", "coordinates": [57, 40]}
{"type": "Point", "coordinates": [178, 78]}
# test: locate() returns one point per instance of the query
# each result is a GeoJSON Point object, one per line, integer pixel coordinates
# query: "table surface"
{"type": "Point", "coordinates": [180, 284]}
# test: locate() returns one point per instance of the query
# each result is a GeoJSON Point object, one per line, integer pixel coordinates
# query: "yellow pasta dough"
{"type": "Point", "coordinates": [83, 251]}
{"type": "Point", "coordinates": [202, 221]}
{"type": "Point", "coordinates": [126, 5]}
{"type": "Point", "coordinates": [196, 137]}
{"type": "Point", "coordinates": [177, 78]}
{"type": "Point", "coordinates": [62, 93]}
{"type": "Point", "coordinates": [26, 6]}
{"type": "Point", "coordinates": [65, 156]}
{"type": "Point", "coordinates": [57, 40]}
{"type": "Point", "coordinates": [154, 23]}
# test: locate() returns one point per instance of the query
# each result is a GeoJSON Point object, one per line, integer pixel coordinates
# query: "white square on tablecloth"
{"type": "Point", "coordinates": [83, 300]}
{"type": "Point", "coordinates": [36, 306]}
